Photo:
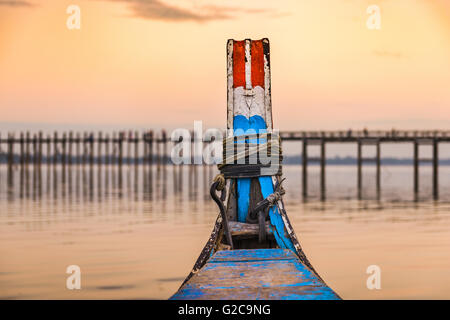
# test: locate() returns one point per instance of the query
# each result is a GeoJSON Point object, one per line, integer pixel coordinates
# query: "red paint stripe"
{"type": "Point", "coordinates": [239, 64]}
{"type": "Point", "coordinates": [257, 63]}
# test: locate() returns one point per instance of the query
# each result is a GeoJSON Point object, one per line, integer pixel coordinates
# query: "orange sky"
{"type": "Point", "coordinates": [162, 63]}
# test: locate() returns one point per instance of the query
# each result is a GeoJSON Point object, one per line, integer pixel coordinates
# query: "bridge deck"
{"type": "Point", "coordinates": [255, 274]}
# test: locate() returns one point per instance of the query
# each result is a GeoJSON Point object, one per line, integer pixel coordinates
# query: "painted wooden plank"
{"type": "Point", "coordinates": [230, 99]}
{"type": "Point", "coordinates": [249, 101]}
{"type": "Point", "coordinates": [267, 84]}
{"type": "Point", "coordinates": [241, 83]}
{"type": "Point", "coordinates": [249, 66]}
{"type": "Point", "coordinates": [261, 110]}
{"type": "Point", "coordinates": [272, 274]}
{"type": "Point", "coordinates": [252, 255]}
{"type": "Point", "coordinates": [246, 230]}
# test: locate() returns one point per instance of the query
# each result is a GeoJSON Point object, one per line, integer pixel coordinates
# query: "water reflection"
{"type": "Point", "coordinates": [94, 183]}
{"type": "Point", "coordinates": [136, 229]}
{"type": "Point", "coordinates": [172, 188]}
{"type": "Point", "coordinates": [165, 191]}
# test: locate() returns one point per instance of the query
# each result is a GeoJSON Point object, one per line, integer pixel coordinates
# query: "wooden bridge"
{"type": "Point", "coordinates": [151, 147]}
{"type": "Point", "coordinates": [375, 138]}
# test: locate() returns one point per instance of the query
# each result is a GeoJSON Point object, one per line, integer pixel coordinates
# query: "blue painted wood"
{"type": "Point", "coordinates": [258, 124]}
{"type": "Point", "coordinates": [240, 127]}
{"type": "Point", "coordinates": [255, 274]}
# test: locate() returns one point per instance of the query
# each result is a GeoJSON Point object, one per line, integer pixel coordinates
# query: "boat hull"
{"type": "Point", "coordinates": [255, 274]}
{"type": "Point", "coordinates": [270, 266]}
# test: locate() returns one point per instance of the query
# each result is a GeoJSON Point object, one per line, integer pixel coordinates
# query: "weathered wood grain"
{"type": "Point", "coordinates": [246, 230]}
{"type": "Point", "coordinates": [273, 274]}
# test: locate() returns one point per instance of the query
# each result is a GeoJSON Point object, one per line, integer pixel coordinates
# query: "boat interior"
{"type": "Point", "coordinates": [245, 235]}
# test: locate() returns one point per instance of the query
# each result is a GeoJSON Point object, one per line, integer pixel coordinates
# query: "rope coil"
{"type": "Point", "coordinates": [252, 155]}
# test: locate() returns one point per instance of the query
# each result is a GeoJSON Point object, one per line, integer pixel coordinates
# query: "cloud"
{"type": "Point", "coordinates": [159, 10]}
{"type": "Point", "coordinates": [14, 3]}
{"type": "Point", "coordinates": [389, 54]}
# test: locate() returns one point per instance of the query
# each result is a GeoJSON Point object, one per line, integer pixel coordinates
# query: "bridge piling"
{"type": "Point", "coordinates": [305, 168]}
{"type": "Point", "coordinates": [435, 169]}
{"type": "Point", "coordinates": [378, 172]}
{"type": "Point", "coordinates": [40, 141]}
{"type": "Point", "coordinates": [322, 170]}
{"type": "Point", "coordinates": [416, 168]}
{"type": "Point", "coordinates": [100, 141]}
{"type": "Point", "coordinates": [359, 170]}
{"type": "Point", "coordinates": [27, 148]}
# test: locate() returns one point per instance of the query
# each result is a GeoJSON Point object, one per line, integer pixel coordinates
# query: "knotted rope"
{"type": "Point", "coordinates": [250, 156]}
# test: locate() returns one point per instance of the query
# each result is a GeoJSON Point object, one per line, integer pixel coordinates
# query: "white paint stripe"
{"type": "Point", "coordinates": [240, 106]}
{"type": "Point", "coordinates": [230, 94]}
{"type": "Point", "coordinates": [248, 65]}
{"type": "Point", "coordinates": [267, 91]}
{"type": "Point", "coordinates": [257, 106]}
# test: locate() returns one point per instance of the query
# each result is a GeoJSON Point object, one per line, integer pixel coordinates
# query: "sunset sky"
{"type": "Point", "coordinates": [162, 63]}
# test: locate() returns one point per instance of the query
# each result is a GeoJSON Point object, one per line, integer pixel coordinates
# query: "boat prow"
{"type": "Point", "coordinates": [253, 252]}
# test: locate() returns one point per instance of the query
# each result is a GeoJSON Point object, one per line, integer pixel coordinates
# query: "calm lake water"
{"type": "Point", "coordinates": [136, 234]}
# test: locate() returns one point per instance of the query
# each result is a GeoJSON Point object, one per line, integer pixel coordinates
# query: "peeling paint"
{"type": "Point", "coordinates": [255, 274]}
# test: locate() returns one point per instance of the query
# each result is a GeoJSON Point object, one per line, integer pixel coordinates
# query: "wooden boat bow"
{"type": "Point", "coordinates": [253, 252]}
